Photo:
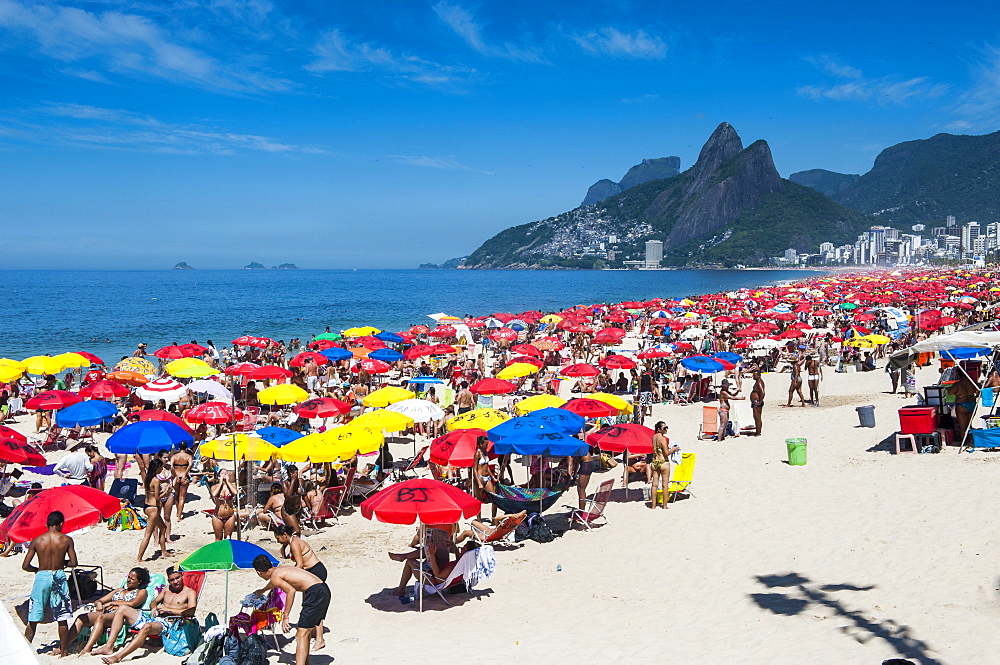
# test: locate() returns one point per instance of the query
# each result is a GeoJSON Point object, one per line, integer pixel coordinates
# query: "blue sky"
{"type": "Point", "coordinates": [385, 134]}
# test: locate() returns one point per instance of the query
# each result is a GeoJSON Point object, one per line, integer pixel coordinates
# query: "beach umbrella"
{"type": "Point", "coordinates": [104, 389]}
{"type": "Point", "coordinates": [417, 351]}
{"type": "Point", "coordinates": [10, 373]}
{"type": "Point", "coordinates": [526, 350]}
{"type": "Point", "coordinates": [516, 370]}
{"type": "Point", "coordinates": [336, 353]}
{"type": "Point", "coordinates": [589, 408]}
{"type": "Point", "coordinates": [19, 452]}
{"type": "Point", "coordinates": [729, 356]}
{"type": "Point", "coordinates": [373, 366]}
{"type": "Point", "coordinates": [536, 402]}
{"type": "Point", "coordinates": [51, 400]}
{"type": "Point", "coordinates": [166, 389]}
{"type": "Point", "coordinates": [386, 396]}
{"type": "Point", "coordinates": [477, 419]}
{"type": "Point", "coordinates": [10, 433]}
{"type": "Point", "coordinates": [361, 332]}
{"type": "Point", "coordinates": [241, 369]}
{"type": "Point", "coordinates": [579, 369]}
{"type": "Point", "coordinates": [322, 407]}
{"type": "Point", "coordinates": [541, 442]}
{"type": "Point", "coordinates": [127, 377]}
{"type": "Point", "coordinates": [283, 393]}
{"type": "Point", "coordinates": [654, 352]}
{"type": "Point", "coordinates": [457, 448]}
{"type": "Point", "coordinates": [329, 336]}
{"type": "Point", "coordinates": [86, 414]}
{"type": "Point", "coordinates": [545, 420]}
{"type": "Point", "coordinates": [631, 437]}
{"type": "Point", "coordinates": [386, 355]}
{"type": "Point", "coordinates": [302, 358]}
{"type": "Point", "coordinates": [178, 352]}
{"type": "Point", "coordinates": [278, 436]}
{"type": "Point", "coordinates": [269, 373]}
{"type": "Point", "coordinates": [81, 506]}
{"type": "Point", "coordinates": [702, 364]}
{"type": "Point", "coordinates": [147, 415]}
{"type": "Point", "coordinates": [238, 446]}
{"type": "Point", "coordinates": [42, 365]}
{"type": "Point", "coordinates": [322, 344]}
{"type": "Point", "coordinates": [617, 362]}
{"type": "Point", "coordinates": [68, 360]}
{"type": "Point", "coordinates": [338, 443]}
{"type": "Point", "coordinates": [609, 335]}
{"type": "Point", "coordinates": [620, 404]}
{"type": "Point", "coordinates": [424, 499]}
{"type": "Point", "coordinates": [225, 555]}
{"type": "Point", "coordinates": [147, 437]}
{"type": "Point", "coordinates": [420, 410]}
{"type": "Point", "coordinates": [443, 331]}
{"type": "Point", "coordinates": [140, 365]}
{"type": "Point", "coordinates": [549, 344]}
{"type": "Point", "coordinates": [211, 387]}
{"type": "Point", "coordinates": [391, 337]}
{"type": "Point", "coordinates": [504, 334]}
{"type": "Point", "coordinates": [383, 419]}
{"type": "Point", "coordinates": [10, 362]}
{"type": "Point", "coordinates": [492, 387]}
{"type": "Point", "coordinates": [188, 368]}
{"type": "Point", "coordinates": [214, 413]}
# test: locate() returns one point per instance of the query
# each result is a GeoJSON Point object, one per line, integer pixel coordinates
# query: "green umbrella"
{"type": "Point", "coordinates": [330, 335]}
{"type": "Point", "coordinates": [225, 555]}
{"type": "Point", "coordinates": [847, 305]}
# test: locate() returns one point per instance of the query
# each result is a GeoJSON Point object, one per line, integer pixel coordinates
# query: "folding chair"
{"type": "Point", "coordinates": [467, 570]}
{"type": "Point", "coordinates": [709, 426]}
{"type": "Point", "coordinates": [53, 439]}
{"type": "Point", "coordinates": [400, 473]}
{"type": "Point", "coordinates": [681, 476]}
{"type": "Point", "coordinates": [595, 508]}
{"type": "Point", "coordinates": [126, 489]}
{"type": "Point", "coordinates": [502, 532]}
{"type": "Point", "coordinates": [333, 497]}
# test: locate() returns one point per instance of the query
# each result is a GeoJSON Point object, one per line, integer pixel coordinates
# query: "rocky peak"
{"type": "Point", "coordinates": [645, 171]}
{"type": "Point", "coordinates": [722, 145]}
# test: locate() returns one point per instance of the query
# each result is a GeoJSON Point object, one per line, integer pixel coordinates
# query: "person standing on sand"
{"type": "Point", "coordinates": [306, 559]}
{"type": "Point", "coordinates": [465, 400]}
{"type": "Point", "coordinates": [795, 384]}
{"type": "Point", "coordinates": [724, 397]}
{"type": "Point", "coordinates": [315, 600]}
{"type": "Point", "coordinates": [660, 466]}
{"type": "Point", "coordinates": [757, 400]}
{"type": "Point", "coordinates": [180, 465]}
{"type": "Point", "coordinates": [814, 374]}
{"type": "Point", "coordinates": [55, 551]}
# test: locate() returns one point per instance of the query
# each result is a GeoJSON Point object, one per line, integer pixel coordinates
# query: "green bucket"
{"type": "Point", "coordinates": [796, 451]}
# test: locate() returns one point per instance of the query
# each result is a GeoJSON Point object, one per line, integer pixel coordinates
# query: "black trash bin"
{"type": "Point", "coordinates": [866, 415]}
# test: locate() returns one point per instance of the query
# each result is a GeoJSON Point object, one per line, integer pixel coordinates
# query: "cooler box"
{"type": "Point", "coordinates": [934, 395]}
{"type": "Point", "coordinates": [972, 368]}
{"type": "Point", "coordinates": [918, 419]}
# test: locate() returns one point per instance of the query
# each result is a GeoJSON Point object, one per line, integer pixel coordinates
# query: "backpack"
{"type": "Point", "coordinates": [208, 652]}
{"type": "Point", "coordinates": [253, 651]}
{"type": "Point", "coordinates": [538, 530]}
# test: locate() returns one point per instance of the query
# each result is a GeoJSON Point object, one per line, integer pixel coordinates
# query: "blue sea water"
{"type": "Point", "coordinates": [58, 311]}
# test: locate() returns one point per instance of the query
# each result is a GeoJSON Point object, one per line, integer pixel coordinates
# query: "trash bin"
{"type": "Point", "coordinates": [866, 414]}
{"type": "Point", "coordinates": [796, 451]}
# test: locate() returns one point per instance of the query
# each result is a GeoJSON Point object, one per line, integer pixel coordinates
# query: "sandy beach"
{"type": "Point", "coordinates": [859, 556]}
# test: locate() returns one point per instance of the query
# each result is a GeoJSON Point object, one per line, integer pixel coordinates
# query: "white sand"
{"type": "Point", "coordinates": [864, 556]}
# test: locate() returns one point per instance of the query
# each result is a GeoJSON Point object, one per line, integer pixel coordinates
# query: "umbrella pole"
{"type": "Point", "coordinates": [420, 579]}
{"type": "Point", "coordinates": [236, 475]}
{"type": "Point", "coordinates": [225, 612]}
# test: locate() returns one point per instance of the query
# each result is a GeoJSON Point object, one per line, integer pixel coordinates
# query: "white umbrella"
{"type": "Point", "coordinates": [213, 388]}
{"type": "Point", "coordinates": [166, 389]}
{"type": "Point", "coordinates": [693, 333]}
{"type": "Point", "coordinates": [764, 343]}
{"type": "Point", "coordinates": [420, 410]}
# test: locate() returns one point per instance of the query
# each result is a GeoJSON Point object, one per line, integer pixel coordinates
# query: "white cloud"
{"type": "Point", "coordinates": [979, 106]}
{"type": "Point", "coordinates": [832, 65]}
{"type": "Point", "coordinates": [883, 91]}
{"type": "Point", "coordinates": [444, 163]}
{"type": "Point", "coordinates": [464, 24]}
{"type": "Point", "coordinates": [611, 41]}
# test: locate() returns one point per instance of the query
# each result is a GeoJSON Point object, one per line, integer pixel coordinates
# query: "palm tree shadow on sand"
{"type": "Point", "coordinates": [802, 594]}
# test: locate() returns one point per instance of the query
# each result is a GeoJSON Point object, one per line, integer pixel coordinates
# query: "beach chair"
{"type": "Point", "coordinates": [193, 579]}
{"type": "Point", "coordinates": [53, 440]}
{"type": "Point", "coordinates": [333, 497]}
{"type": "Point", "coordinates": [502, 533]}
{"type": "Point", "coordinates": [681, 476]}
{"type": "Point", "coordinates": [126, 489]}
{"type": "Point", "coordinates": [263, 618]}
{"type": "Point", "coordinates": [472, 567]}
{"type": "Point", "coordinates": [709, 426]}
{"type": "Point", "coordinates": [595, 508]}
{"type": "Point", "coordinates": [401, 469]}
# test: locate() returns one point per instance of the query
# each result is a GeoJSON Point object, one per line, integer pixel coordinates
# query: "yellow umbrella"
{"type": "Point", "coordinates": [477, 418]}
{"type": "Point", "coordinates": [187, 368]}
{"type": "Point", "coordinates": [42, 365]}
{"type": "Point", "coordinates": [9, 373]}
{"type": "Point", "coordinates": [340, 443]}
{"type": "Point", "coordinates": [283, 393]}
{"type": "Point", "coordinates": [140, 365]}
{"type": "Point", "coordinates": [72, 360]}
{"type": "Point", "coordinates": [361, 332]}
{"type": "Point", "coordinates": [238, 446]}
{"type": "Point", "coordinates": [516, 370]}
{"type": "Point", "coordinates": [614, 401]}
{"type": "Point", "coordinates": [551, 318]}
{"type": "Point", "coordinates": [877, 339]}
{"type": "Point", "coordinates": [386, 396]}
{"type": "Point", "coordinates": [536, 402]}
{"type": "Point", "coordinates": [861, 343]}
{"type": "Point", "coordinates": [10, 362]}
{"type": "Point", "coordinates": [390, 421]}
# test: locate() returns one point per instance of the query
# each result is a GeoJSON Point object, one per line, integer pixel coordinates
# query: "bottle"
{"type": "Point", "coordinates": [559, 568]}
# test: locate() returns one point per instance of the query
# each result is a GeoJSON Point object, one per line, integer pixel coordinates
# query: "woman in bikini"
{"type": "Point", "coordinates": [180, 465]}
{"type": "Point", "coordinates": [292, 508]}
{"type": "Point", "coordinates": [133, 594]}
{"type": "Point", "coordinates": [660, 466]}
{"type": "Point", "coordinates": [273, 507]}
{"type": "Point", "coordinates": [156, 494]}
{"type": "Point", "coordinates": [224, 517]}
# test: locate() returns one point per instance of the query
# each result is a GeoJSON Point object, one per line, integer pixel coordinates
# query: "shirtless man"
{"type": "Point", "coordinates": [814, 374]}
{"type": "Point", "coordinates": [795, 384]}
{"type": "Point", "coordinates": [55, 551]}
{"type": "Point", "coordinates": [465, 400]}
{"type": "Point", "coordinates": [315, 600]}
{"type": "Point", "coordinates": [306, 559]}
{"type": "Point", "coordinates": [180, 464]}
{"type": "Point", "coordinates": [311, 371]}
{"type": "Point", "coordinates": [757, 400]}
{"type": "Point", "coordinates": [173, 602]}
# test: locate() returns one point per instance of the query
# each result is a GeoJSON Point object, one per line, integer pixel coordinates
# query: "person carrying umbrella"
{"type": "Point", "coordinates": [315, 600]}
{"type": "Point", "coordinates": [54, 550]}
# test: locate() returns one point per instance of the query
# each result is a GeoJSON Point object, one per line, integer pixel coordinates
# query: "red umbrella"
{"type": "Point", "coordinates": [492, 387]}
{"type": "Point", "coordinates": [19, 452]}
{"type": "Point", "coordinates": [632, 437]}
{"type": "Point", "coordinates": [822, 312]}
{"type": "Point", "coordinates": [52, 399]}
{"type": "Point", "coordinates": [785, 316]}
{"type": "Point", "coordinates": [177, 352]}
{"type": "Point", "coordinates": [609, 336]}
{"type": "Point", "coordinates": [214, 413]}
{"type": "Point", "coordinates": [417, 351]}
{"type": "Point", "coordinates": [419, 329]}
{"type": "Point", "coordinates": [268, 372]}
{"type": "Point", "coordinates": [617, 362]}
{"type": "Point", "coordinates": [504, 333]}
{"type": "Point", "coordinates": [441, 349]}
{"type": "Point", "coordinates": [430, 501]}
{"type": "Point", "coordinates": [322, 344]}
{"type": "Point", "coordinates": [81, 506]}
{"type": "Point", "coordinates": [372, 366]}
{"type": "Point", "coordinates": [300, 360]}
{"type": "Point", "coordinates": [90, 356]}
{"type": "Point", "coordinates": [322, 407]}
{"type": "Point", "coordinates": [104, 390]}
{"type": "Point", "coordinates": [654, 353]}
{"type": "Point", "coordinates": [529, 360]}
{"type": "Point", "coordinates": [589, 408]}
{"type": "Point", "coordinates": [159, 414]}
{"type": "Point", "coordinates": [371, 343]}
{"type": "Point", "coordinates": [443, 331]}
{"type": "Point", "coordinates": [549, 344]}
{"type": "Point", "coordinates": [9, 433]}
{"type": "Point", "coordinates": [241, 369]}
{"type": "Point", "coordinates": [457, 448]}
{"type": "Point", "coordinates": [526, 350]}
{"type": "Point", "coordinates": [580, 369]}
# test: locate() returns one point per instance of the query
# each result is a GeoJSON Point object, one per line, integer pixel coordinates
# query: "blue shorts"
{"type": "Point", "coordinates": [50, 589]}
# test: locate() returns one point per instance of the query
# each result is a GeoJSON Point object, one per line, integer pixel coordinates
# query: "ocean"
{"type": "Point", "coordinates": [109, 312]}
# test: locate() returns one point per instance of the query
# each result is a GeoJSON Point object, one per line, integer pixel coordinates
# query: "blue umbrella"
{"type": "Point", "coordinates": [278, 436]}
{"type": "Point", "coordinates": [543, 420]}
{"type": "Point", "coordinates": [961, 353]}
{"type": "Point", "coordinates": [541, 442]}
{"type": "Point", "coordinates": [702, 364]}
{"type": "Point", "coordinates": [335, 353]}
{"type": "Point", "coordinates": [389, 337]}
{"type": "Point", "coordinates": [729, 355]}
{"type": "Point", "coordinates": [424, 380]}
{"type": "Point", "coordinates": [147, 437]}
{"type": "Point", "coordinates": [86, 414]}
{"type": "Point", "coordinates": [386, 355]}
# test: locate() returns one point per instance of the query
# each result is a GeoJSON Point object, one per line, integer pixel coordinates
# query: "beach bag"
{"type": "Point", "coordinates": [538, 530]}
{"type": "Point", "coordinates": [208, 652]}
{"type": "Point", "coordinates": [182, 638]}
{"type": "Point", "coordinates": [127, 519]}
{"type": "Point", "coordinates": [608, 462]}
{"type": "Point", "coordinates": [230, 650]}
{"type": "Point", "coordinates": [253, 651]}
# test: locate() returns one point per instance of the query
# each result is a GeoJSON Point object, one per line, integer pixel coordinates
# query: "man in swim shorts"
{"type": "Point", "coordinates": [814, 374]}
{"type": "Point", "coordinates": [55, 551]}
{"type": "Point", "coordinates": [306, 559]}
{"type": "Point", "coordinates": [315, 600]}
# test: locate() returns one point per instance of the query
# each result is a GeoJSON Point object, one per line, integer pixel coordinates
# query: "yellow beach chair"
{"type": "Point", "coordinates": [681, 476]}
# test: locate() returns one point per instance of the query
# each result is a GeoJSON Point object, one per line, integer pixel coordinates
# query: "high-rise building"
{"type": "Point", "coordinates": [791, 255]}
{"type": "Point", "coordinates": [970, 232]}
{"type": "Point", "coordinates": [654, 253]}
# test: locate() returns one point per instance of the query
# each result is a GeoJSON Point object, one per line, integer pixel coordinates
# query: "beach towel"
{"type": "Point", "coordinates": [483, 565]}
{"type": "Point", "coordinates": [127, 519]}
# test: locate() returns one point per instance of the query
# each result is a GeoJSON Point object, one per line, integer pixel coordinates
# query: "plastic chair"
{"type": "Point", "coordinates": [333, 497]}
{"type": "Point", "coordinates": [709, 426]}
{"type": "Point", "coordinates": [502, 532]}
{"type": "Point", "coordinates": [595, 508]}
{"type": "Point", "coordinates": [681, 477]}
{"type": "Point", "coordinates": [400, 473]}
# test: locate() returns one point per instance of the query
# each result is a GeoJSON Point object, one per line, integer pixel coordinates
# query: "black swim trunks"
{"type": "Point", "coordinates": [587, 468]}
{"type": "Point", "coordinates": [315, 603]}
{"type": "Point", "coordinates": [319, 570]}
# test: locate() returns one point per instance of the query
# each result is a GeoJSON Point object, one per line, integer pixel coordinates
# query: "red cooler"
{"type": "Point", "coordinates": [918, 419]}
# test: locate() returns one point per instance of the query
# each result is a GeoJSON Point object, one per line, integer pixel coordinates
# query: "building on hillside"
{"type": "Point", "coordinates": [654, 253]}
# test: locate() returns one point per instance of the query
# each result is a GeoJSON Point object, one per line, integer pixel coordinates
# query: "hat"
{"type": "Point", "coordinates": [142, 345]}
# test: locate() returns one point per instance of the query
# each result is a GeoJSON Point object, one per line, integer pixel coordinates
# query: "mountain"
{"type": "Point", "coordinates": [829, 183]}
{"type": "Point", "coordinates": [928, 179]}
{"type": "Point", "coordinates": [255, 266]}
{"type": "Point", "coordinates": [731, 207]}
{"type": "Point", "coordinates": [183, 266]}
{"type": "Point", "coordinates": [645, 171]}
